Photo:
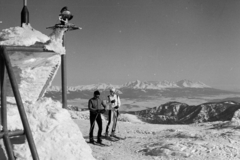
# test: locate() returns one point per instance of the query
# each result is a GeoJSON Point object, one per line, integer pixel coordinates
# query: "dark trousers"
{"type": "Point", "coordinates": [97, 117]}
{"type": "Point", "coordinates": [112, 116]}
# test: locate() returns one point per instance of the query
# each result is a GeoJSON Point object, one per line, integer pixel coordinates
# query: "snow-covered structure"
{"type": "Point", "coordinates": [34, 71]}
{"type": "Point", "coordinates": [55, 134]}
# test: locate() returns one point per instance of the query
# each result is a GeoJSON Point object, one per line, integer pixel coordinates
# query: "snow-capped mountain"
{"type": "Point", "coordinates": [191, 84]}
{"type": "Point", "coordinates": [164, 84]}
{"type": "Point", "coordinates": [137, 85]}
{"type": "Point", "coordinates": [100, 86]}
{"type": "Point", "coordinates": [141, 90]}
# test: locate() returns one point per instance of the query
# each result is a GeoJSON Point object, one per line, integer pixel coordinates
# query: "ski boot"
{"type": "Point", "coordinates": [113, 134]}
{"type": "Point", "coordinates": [92, 141]}
{"type": "Point", "coordinates": [106, 134]}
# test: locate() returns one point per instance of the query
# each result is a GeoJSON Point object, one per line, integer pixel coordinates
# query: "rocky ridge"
{"type": "Point", "coordinates": [181, 113]}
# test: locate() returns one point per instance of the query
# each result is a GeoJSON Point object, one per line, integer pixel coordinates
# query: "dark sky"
{"type": "Point", "coordinates": [125, 40]}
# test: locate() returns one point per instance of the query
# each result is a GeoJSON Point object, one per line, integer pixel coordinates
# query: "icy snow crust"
{"type": "Point", "coordinates": [22, 36]}
{"type": "Point", "coordinates": [34, 72]}
{"type": "Point", "coordinates": [56, 135]}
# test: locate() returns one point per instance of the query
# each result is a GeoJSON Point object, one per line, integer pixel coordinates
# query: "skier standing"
{"type": "Point", "coordinates": [113, 113]}
{"type": "Point", "coordinates": [96, 107]}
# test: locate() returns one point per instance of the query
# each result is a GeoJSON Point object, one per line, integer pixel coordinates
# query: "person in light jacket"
{"type": "Point", "coordinates": [96, 107]}
{"type": "Point", "coordinates": [113, 113]}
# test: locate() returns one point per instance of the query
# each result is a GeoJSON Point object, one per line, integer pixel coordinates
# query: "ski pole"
{"type": "Point", "coordinates": [116, 118]}
{"type": "Point", "coordinates": [119, 129]}
{"type": "Point", "coordinates": [116, 122]}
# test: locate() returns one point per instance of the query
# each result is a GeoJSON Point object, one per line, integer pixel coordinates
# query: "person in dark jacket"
{"type": "Point", "coordinates": [96, 107]}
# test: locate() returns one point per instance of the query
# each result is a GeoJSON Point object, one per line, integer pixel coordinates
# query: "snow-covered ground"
{"type": "Point", "coordinates": [203, 141]}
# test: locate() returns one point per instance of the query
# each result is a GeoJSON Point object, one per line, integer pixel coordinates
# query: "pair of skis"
{"type": "Point", "coordinates": [114, 138]}
{"type": "Point", "coordinates": [117, 137]}
{"type": "Point", "coordinates": [111, 138]}
{"type": "Point", "coordinates": [99, 144]}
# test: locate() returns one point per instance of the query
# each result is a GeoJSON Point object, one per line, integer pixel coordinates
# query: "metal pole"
{"type": "Point", "coordinates": [24, 13]}
{"type": "Point", "coordinates": [34, 48]}
{"type": "Point", "coordinates": [1, 79]}
{"type": "Point", "coordinates": [6, 139]}
{"type": "Point", "coordinates": [20, 106]}
{"type": "Point", "coordinates": [24, 2]}
{"type": "Point", "coordinates": [64, 77]}
{"type": "Point", "coordinates": [13, 133]}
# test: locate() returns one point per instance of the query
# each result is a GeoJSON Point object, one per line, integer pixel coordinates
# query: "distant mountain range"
{"type": "Point", "coordinates": [142, 90]}
{"type": "Point", "coordinates": [137, 85]}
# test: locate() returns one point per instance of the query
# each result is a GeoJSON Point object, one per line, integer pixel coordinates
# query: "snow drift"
{"type": "Point", "coordinates": [56, 135]}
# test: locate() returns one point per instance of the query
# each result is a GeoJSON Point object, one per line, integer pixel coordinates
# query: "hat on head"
{"type": "Point", "coordinates": [96, 92]}
{"type": "Point", "coordinates": [112, 90]}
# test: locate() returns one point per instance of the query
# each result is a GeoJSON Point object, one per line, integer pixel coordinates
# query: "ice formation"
{"type": "Point", "coordinates": [27, 36]}
{"type": "Point", "coordinates": [55, 134]}
{"type": "Point", "coordinates": [34, 72]}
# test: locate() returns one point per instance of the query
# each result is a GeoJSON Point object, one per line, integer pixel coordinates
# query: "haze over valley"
{"type": "Point", "coordinates": [138, 95]}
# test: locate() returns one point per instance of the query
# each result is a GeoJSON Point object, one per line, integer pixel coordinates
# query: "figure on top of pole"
{"type": "Point", "coordinates": [65, 15]}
